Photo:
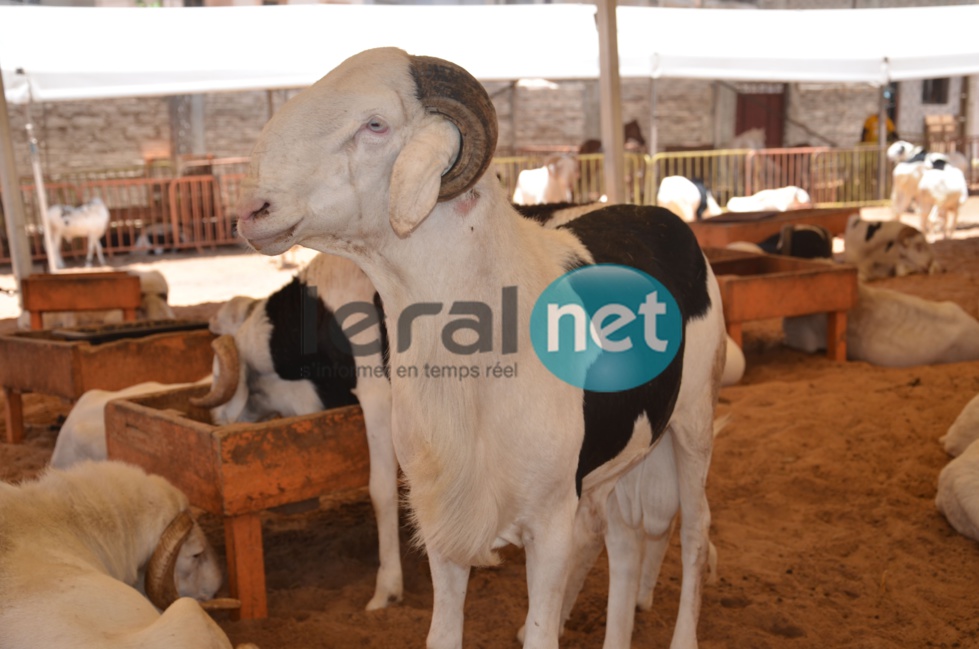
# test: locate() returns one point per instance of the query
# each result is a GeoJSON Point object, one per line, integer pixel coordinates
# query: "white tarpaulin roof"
{"type": "Point", "coordinates": [842, 45]}
{"type": "Point", "coordinates": [86, 52]}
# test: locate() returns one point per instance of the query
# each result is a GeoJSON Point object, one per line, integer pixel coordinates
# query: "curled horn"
{"type": "Point", "coordinates": [225, 382]}
{"type": "Point", "coordinates": [449, 90]}
{"type": "Point", "coordinates": [161, 588]}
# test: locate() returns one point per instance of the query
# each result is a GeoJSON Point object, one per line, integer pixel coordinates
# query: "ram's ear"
{"type": "Point", "coordinates": [417, 173]}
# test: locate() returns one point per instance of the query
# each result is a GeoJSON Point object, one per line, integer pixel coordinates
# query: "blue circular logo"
{"type": "Point", "coordinates": [606, 328]}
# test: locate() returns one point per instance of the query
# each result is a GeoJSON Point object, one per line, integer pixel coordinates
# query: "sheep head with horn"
{"type": "Point", "coordinates": [423, 129]}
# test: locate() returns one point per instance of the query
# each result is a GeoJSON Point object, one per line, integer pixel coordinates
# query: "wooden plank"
{"type": "Point", "coordinates": [289, 460]}
{"type": "Point", "coordinates": [719, 231]}
{"type": "Point", "coordinates": [246, 566]}
{"type": "Point", "coordinates": [168, 444]}
{"type": "Point", "coordinates": [31, 363]}
{"type": "Point", "coordinates": [167, 357]}
{"type": "Point", "coordinates": [13, 416]}
{"type": "Point", "coordinates": [243, 467]}
{"type": "Point", "coordinates": [80, 291]}
{"type": "Point", "coordinates": [757, 287]}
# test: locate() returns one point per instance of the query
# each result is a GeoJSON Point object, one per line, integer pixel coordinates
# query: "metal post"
{"type": "Point", "coordinates": [881, 142]}
{"type": "Point", "coordinates": [13, 204]}
{"type": "Point", "coordinates": [611, 102]}
{"type": "Point", "coordinates": [42, 197]}
{"type": "Point", "coordinates": [653, 122]}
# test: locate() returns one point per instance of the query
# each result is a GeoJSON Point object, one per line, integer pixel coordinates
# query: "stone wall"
{"type": "Point", "coordinates": [114, 133]}
{"type": "Point", "coordinates": [827, 114]}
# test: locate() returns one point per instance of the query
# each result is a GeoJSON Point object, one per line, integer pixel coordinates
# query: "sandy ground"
{"type": "Point", "coordinates": [822, 491]}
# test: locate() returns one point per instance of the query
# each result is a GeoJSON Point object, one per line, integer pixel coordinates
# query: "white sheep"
{"type": "Point", "coordinates": [292, 353]}
{"type": "Point", "coordinates": [894, 329]}
{"type": "Point", "coordinates": [780, 200]}
{"type": "Point", "coordinates": [76, 545]}
{"type": "Point", "coordinates": [82, 435]}
{"type": "Point", "coordinates": [514, 455]}
{"type": "Point", "coordinates": [964, 430]}
{"type": "Point", "coordinates": [941, 191]}
{"type": "Point", "coordinates": [89, 220]}
{"type": "Point", "coordinates": [688, 199]}
{"type": "Point", "coordinates": [957, 497]}
{"type": "Point", "coordinates": [552, 183]}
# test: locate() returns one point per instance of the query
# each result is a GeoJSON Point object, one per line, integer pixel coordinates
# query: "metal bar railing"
{"type": "Point", "coordinates": [196, 210]}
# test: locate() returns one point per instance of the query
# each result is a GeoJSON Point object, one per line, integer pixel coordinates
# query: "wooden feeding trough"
{"type": "Point", "coordinates": [237, 470]}
{"type": "Point", "coordinates": [719, 231]}
{"type": "Point", "coordinates": [757, 287]}
{"type": "Point", "coordinates": [69, 362]}
{"type": "Point", "coordinates": [96, 291]}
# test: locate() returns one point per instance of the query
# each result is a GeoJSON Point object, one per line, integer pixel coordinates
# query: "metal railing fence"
{"type": "Point", "coordinates": [194, 209]}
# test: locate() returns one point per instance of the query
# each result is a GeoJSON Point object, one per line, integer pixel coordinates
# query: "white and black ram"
{"type": "Point", "coordinates": [688, 199]}
{"type": "Point", "coordinates": [80, 547]}
{"type": "Point", "coordinates": [89, 220]}
{"type": "Point", "coordinates": [393, 177]}
{"type": "Point", "coordinates": [317, 343]}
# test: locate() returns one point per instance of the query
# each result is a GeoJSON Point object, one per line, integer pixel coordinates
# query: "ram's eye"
{"type": "Point", "coordinates": [376, 125]}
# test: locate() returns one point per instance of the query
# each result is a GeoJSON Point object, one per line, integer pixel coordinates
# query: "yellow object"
{"type": "Point", "coordinates": [870, 129]}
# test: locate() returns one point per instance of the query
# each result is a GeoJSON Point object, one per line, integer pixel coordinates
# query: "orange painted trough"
{"type": "Point", "coordinates": [50, 362]}
{"type": "Point", "coordinates": [719, 231]}
{"type": "Point", "coordinates": [235, 471]}
{"type": "Point", "coordinates": [758, 287]}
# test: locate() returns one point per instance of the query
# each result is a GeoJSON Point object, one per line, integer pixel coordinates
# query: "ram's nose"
{"type": "Point", "coordinates": [252, 209]}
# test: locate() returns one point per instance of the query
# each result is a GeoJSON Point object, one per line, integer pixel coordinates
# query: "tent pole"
{"type": "Point", "coordinates": [881, 141]}
{"type": "Point", "coordinates": [13, 204]}
{"type": "Point", "coordinates": [611, 103]}
{"type": "Point", "coordinates": [42, 197]}
{"type": "Point", "coordinates": [653, 122]}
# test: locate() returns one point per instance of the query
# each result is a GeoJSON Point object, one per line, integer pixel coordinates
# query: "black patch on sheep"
{"type": "Point", "coordinates": [939, 163]}
{"type": "Point", "coordinates": [918, 157]}
{"type": "Point", "coordinates": [307, 343]}
{"type": "Point", "coordinates": [702, 206]}
{"type": "Point", "coordinates": [800, 240]}
{"type": "Point", "coordinates": [543, 212]}
{"type": "Point", "coordinates": [871, 229]}
{"type": "Point", "coordinates": [659, 243]}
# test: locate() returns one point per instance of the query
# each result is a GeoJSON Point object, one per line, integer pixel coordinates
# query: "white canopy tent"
{"type": "Point", "coordinates": [71, 53]}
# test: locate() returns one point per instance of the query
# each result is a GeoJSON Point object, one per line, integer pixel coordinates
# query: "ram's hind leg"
{"type": "Point", "coordinates": [641, 511]}
{"type": "Point", "coordinates": [692, 428]}
{"type": "Point", "coordinates": [692, 450]}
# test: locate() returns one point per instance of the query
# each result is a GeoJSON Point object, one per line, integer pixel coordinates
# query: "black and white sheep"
{"type": "Point", "coordinates": [941, 191]}
{"type": "Point", "coordinates": [316, 343]}
{"type": "Point", "coordinates": [283, 356]}
{"type": "Point", "coordinates": [886, 249]}
{"type": "Point", "coordinates": [89, 220]}
{"type": "Point", "coordinates": [75, 547]}
{"type": "Point", "coordinates": [688, 199]}
{"type": "Point", "coordinates": [393, 177]}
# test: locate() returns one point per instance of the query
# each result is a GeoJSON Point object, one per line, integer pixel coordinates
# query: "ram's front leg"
{"type": "Point", "coordinates": [383, 487]}
{"type": "Point", "coordinates": [549, 547]}
{"type": "Point", "coordinates": [449, 581]}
